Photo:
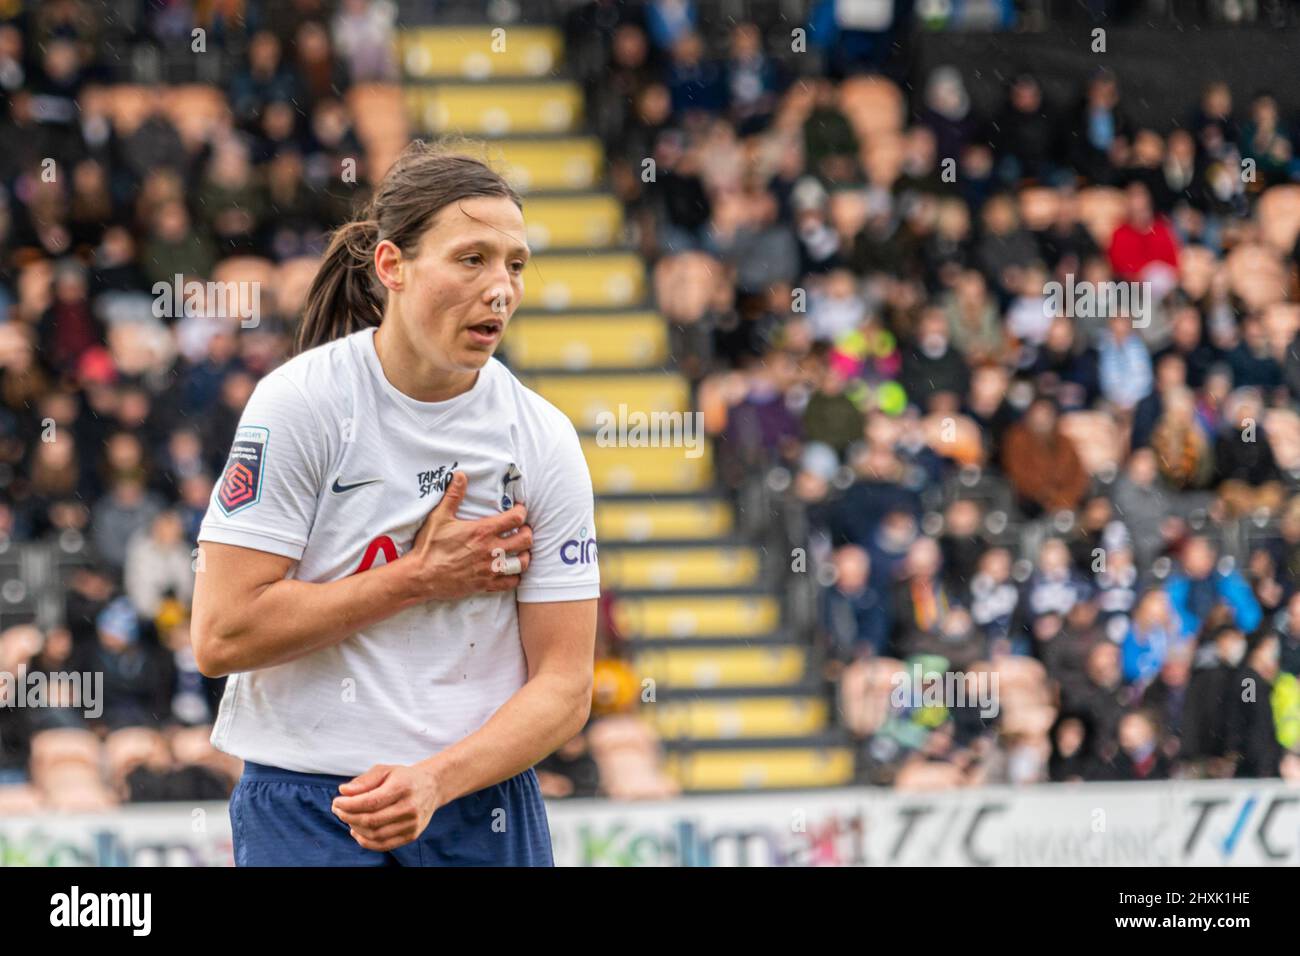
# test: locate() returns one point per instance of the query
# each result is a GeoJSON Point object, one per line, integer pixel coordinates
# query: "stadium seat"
{"type": "Point", "coordinates": [591, 220]}
{"type": "Point", "coordinates": [684, 617]}
{"type": "Point", "coordinates": [611, 280]}
{"type": "Point", "coordinates": [535, 165]}
{"type": "Point", "coordinates": [645, 470]}
{"type": "Point", "coordinates": [704, 566]}
{"type": "Point", "coordinates": [768, 768]}
{"type": "Point", "coordinates": [579, 343]}
{"type": "Point", "coordinates": [741, 717]}
{"type": "Point", "coordinates": [590, 399]}
{"type": "Point", "coordinates": [687, 668]}
{"type": "Point", "coordinates": [495, 109]}
{"type": "Point", "coordinates": [480, 52]}
{"type": "Point", "coordinates": [660, 520]}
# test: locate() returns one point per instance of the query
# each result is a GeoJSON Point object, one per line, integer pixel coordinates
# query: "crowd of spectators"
{"type": "Point", "coordinates": [1090, 500]}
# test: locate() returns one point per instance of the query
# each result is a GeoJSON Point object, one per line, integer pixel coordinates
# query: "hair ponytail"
{"type": "Point", "coordinates": [346, 295]}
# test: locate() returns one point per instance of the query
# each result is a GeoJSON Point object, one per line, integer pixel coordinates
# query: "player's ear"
{"type": "Point", "coordinates": [390, 265]}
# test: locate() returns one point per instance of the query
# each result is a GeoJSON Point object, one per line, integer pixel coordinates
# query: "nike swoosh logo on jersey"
{"type": "Point", "coordinates": [338, 489]}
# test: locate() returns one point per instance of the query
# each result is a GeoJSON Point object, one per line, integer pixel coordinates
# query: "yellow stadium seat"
{"type": "Point", "coordinates": [646, 470]}
{"type": "Point", "coordinates": [687, 668]}
{"type": "Point", "coordinates": [659, 568]}
{"type": "Point", "coordinates": [536, 165]}
{"type": "Point", "coordinates": [593, 220]}
{"type": "Point", "coordinates": [479, 51]}
{"type": "Point", "coordinates": [495, 109]}
{"type": "Point", "coordinates": [663, 520]}
{"type": "Point", "coordinates": [693, 617]}
{"type": "Point", "coordinates": [756, 769]}
{"type": "Point", "coordinates": [588, 342]}
{"type": "Point", "coordinates": [739, 717]}
{"type": "Point", "coordinates": [591, 400]}
{"type": "Point", "coordinates": [556, 282]}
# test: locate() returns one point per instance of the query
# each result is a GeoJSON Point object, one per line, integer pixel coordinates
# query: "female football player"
{"type": "Point", "coordinates": [402, 647]}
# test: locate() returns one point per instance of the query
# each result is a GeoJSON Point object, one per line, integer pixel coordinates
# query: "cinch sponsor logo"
{"type": "Point", "coordinates": [579, 550]}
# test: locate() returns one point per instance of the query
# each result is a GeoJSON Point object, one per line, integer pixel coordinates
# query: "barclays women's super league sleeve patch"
{"type": "Point", "coordinates": [241, 484]}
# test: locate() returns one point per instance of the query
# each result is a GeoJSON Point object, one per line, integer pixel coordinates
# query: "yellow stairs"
{"type": "Point", "coordinates": [735, 700]}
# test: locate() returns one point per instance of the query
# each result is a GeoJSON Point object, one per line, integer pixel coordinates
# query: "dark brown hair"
{"type": "Point", "coordinates": [346, 295]}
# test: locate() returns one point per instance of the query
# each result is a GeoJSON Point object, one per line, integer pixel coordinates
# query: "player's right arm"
{"type": "Point", "coordinates": [247, 614]}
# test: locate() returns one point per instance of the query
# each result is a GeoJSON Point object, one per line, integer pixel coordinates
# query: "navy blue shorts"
{"type": "Point", "coordinates": [283, 818]}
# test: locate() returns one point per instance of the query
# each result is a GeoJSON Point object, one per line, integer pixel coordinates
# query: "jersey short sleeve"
{"type": "Point", "coordinates": [267, 494]}
{"type": "Point", "coordinates": [561, 512]}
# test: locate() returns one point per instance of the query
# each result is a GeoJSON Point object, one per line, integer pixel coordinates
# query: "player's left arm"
{"type": "Point", "coordinates": [389, 806]}
{"type": "Point", "coordinates": [549, 710]}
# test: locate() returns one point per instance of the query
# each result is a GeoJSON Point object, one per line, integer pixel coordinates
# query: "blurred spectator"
{"type": "Point", "coordinates": [1200, 587]}
{"type": "Point", "coordinates": [855, 614]}
{"type": "Point", "coordinates": [1252, 728]}
{"type": "Point", "coordinates": [1042, 463]}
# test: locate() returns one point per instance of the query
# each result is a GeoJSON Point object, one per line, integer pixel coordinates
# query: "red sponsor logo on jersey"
{"type": "Point", "coordinates": [381, 545]}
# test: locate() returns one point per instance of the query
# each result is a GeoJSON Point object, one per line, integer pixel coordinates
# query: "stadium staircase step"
{"type": "Point", "coordinates": [738, 701]}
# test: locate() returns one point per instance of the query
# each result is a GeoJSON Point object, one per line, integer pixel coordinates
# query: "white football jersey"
{"type": "Point", "coordinates": [334, 467]}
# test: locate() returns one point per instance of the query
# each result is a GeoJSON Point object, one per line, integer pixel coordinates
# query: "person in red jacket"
{"type": "Point", "coordinates": [1142, 239]}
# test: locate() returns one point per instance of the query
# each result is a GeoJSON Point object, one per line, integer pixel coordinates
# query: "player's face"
{"type": "Point", "coordinates": [466, 281]}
